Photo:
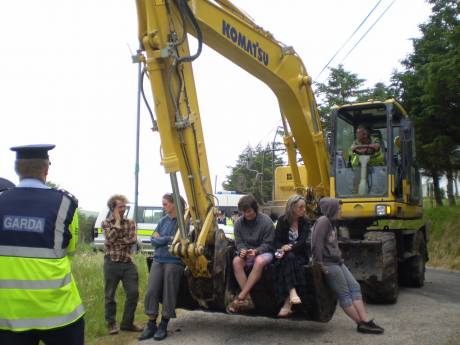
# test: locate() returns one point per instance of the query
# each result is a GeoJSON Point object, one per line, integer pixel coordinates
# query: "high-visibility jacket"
{"type": "Point", "coordinates": [376, 158]}
{"type": "Point", "coordinates": [37, 290]}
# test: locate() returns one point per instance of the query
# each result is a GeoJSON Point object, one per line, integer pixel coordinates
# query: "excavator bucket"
{"type": "Point", "coordinates": [214, 294]}
{"type": "Point", "coordinates": [372, 262]}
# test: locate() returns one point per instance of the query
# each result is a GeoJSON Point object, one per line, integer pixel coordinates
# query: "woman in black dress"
{"type": "Point", "coordinates": [291, 234]}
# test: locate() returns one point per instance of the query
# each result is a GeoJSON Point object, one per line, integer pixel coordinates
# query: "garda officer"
{"type": "Point", "coordinates": [39, 297]}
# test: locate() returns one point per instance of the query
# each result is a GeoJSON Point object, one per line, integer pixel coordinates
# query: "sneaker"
{"type": "Point", "coordinates": [369, 327]}
{"type": "Point", "coordinates": [113, 328]}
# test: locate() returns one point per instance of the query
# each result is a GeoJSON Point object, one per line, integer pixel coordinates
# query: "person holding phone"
{"type": "Point", "coordinates": [120, 236]}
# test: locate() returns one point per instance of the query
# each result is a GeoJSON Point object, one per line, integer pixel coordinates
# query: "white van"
{"type": "Point", "coordinates": [147, 220]}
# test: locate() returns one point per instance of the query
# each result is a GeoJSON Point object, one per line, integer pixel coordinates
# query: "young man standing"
{"type": "Point", "coordinates": [120, 236]}
{"type": "Point", "coordinates": [254, 236]}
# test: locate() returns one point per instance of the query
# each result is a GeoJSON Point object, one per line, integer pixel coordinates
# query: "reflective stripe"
{"type": "Point", "coordinates": [60, 226]}
{"type": "Point", "coordinates": [49, 322]}
{"type": "Point", "coordinates": [35, 284]}
{"type": "Point", "coordinates": [30, 252]}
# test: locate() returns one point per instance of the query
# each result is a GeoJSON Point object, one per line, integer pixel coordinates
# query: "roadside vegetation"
{"type": "Point", "coordinates": [444, 233]}
{"type": "Point", "coordinates": [444, 241]}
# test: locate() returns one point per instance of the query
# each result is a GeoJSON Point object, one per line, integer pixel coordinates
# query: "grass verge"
{"type": "Point", "coordinates": [87, 268]}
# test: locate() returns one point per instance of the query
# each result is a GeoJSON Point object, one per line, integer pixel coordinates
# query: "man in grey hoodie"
{"type": "Point", "coordinates": [254, 236]}
{"type": "Point", "coordinates": [326, 253]}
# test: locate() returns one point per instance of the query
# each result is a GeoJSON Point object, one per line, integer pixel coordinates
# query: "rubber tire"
{"type": "Point", "coordinates": [416, 266]}
{"type": "Point", "coordinates": [387, 291]}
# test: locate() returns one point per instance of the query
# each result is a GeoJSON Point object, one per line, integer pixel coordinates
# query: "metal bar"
{"type": "Point", "coordinates": [177, 202]}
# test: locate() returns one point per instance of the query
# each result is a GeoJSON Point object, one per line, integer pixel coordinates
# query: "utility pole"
{"type": "Point", "coordinates": [137, 59]}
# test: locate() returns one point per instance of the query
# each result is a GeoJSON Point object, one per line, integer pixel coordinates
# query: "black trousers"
{"type": "Point", "coordinates": [126, 272]}
{"type": "Point", "coordinates": [73, 334]}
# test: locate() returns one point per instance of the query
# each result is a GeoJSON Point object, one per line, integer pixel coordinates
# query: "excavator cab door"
{"type": "Point", "coordinates": [405, 164]}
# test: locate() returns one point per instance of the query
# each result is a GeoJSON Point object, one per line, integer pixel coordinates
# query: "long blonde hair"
{"type": "Point", "coordinates": [290, 205]}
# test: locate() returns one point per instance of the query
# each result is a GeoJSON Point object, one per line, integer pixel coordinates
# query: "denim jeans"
{"type": "Point", "coordinates": [342, 282]}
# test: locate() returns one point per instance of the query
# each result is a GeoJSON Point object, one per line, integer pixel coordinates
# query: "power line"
{"type": "Point", "coordinates": [266, 135]}
{"type": "Point", "coordinates": [349, 38]}
{"type": "Point", "coordinates": [370, 28]}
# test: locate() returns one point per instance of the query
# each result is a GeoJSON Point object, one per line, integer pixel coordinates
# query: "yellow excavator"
{"type": "Point", "coordinates": [369, 193]}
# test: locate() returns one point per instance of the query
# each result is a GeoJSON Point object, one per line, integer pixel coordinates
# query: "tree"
{"type": "Point", "coordinates": [86, 223]}
{"type": "Point", "coordinates": [253, 172]}
{"type": "Point", "coordinates": [341, 87]}
{"type": "Point", "coordinates": [379, 92]}
{"type": "Point", "coordinates": [430, 91]}
{"type": "Point", "coordinates": [52, 185]}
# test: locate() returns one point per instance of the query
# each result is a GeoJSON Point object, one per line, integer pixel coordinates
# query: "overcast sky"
{"type": "Point", "coordinates": [66, 78]}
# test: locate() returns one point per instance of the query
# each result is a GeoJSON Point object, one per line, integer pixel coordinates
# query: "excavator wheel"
{"type": "Point", "coordinates": [412, 271]}
{"type": "Point", "coordinates": [384, 290]}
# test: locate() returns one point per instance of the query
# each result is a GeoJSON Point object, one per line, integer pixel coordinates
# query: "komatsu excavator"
{"type": "Point", "coordinates": [368, 193]}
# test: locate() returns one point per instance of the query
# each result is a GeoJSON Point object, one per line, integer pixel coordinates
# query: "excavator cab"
{"type": "Point", "coordinates": [373, 160]}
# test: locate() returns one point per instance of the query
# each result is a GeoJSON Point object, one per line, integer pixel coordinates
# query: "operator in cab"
{"type": "Point", "coordinates": [38, 232]}
{"type": "Point", "coordinates": [366, 145]}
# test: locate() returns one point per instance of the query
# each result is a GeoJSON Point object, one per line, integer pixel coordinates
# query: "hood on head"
{"type": "Point", "coordinates": [329, 207]}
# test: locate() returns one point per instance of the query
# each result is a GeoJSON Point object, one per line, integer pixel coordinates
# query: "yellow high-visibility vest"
{"type": "Point", "coordinates": [37, 290]}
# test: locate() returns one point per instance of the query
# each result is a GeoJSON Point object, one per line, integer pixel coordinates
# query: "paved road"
{"type": "Point", "coordinates": [427, 316]}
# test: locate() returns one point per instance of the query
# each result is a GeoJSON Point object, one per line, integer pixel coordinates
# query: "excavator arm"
{"type": "Point", "coordinates": [163, 29]}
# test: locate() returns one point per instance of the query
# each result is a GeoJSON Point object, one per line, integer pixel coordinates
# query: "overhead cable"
{"type": "Point", "coordinates": [349, 38]}
{"type": "Point", "coordinates": [370, 28]}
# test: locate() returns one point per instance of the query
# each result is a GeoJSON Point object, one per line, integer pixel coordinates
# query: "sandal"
{"type": "Point", "coordinates": [232, 308]}
{"type": "Point", "coordinates": [295, 300]}
{"type": "Point", "coordinates": [245, 303]}
{"type": "Point", "coordinates": [239, 304]}
{"type": "Point", "coordinates": [284, 312]}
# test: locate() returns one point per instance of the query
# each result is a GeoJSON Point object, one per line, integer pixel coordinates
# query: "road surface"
{"type": "Point", "coordinates": [426, 316]}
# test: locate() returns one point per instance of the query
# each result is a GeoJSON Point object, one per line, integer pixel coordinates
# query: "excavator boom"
{"type": "Point", "coordinates": [163, 29]}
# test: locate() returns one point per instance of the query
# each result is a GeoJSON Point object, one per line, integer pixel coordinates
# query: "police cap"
{"type": "Point", "coordinates": [32, 151]}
